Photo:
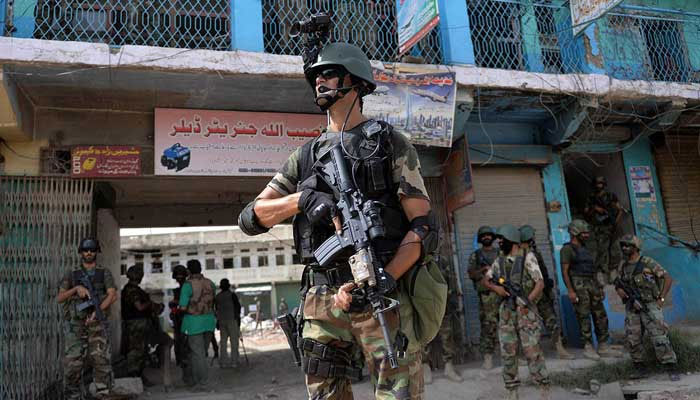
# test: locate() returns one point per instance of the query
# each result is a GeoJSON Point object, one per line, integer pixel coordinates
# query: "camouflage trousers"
{"type": "Point", "coordinates": [488, 318]}
{"type": "Point", "coordinates": [653, 324]}
{"type": "Point", "coordinates": [446, 339]}
{"type": "Point", "coordinates": [520, 327]}
{"type": "Point", "coordinates": [136, 335]}
{"type": "Point", "coordinates": [545, 307]}
{"type": "Point", "coordinates": [83, 344]}
{"type": "Point", "coordinates": [607, 254]}
{"type": "Point", "coordinates": [358, 334]}
{"type": "Point", "coordinates": [590, 305]}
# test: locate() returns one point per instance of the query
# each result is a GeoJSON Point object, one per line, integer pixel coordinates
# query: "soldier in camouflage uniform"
{"type": "Point", "coordinates": [585, 292]}
{"type": "Point", "coordinates": [85, 336]}
{"type": "Point", "coordinates": [652, 284]}
{"type": "Point", "coordinates": [603, 213]}
{"type": "Point", "coordinates": [138, 313]}
{"type": "Point", "coordinates": [479, 262]}
{"type": "Point", "coordinates": [448, 350]}
{"type": "Point", "coordinates": [385, 166]}
{"type": "Point", "coordinates": [518, 324]}
{"type": "Point", "coordinates": [180, 276]}
{"type": "Point", "coordinates": [545, 305]}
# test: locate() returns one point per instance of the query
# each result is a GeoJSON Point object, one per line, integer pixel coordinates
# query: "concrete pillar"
{"type": "Point", "coordinates": [109, 258]}
{"type": "Point", "coordinates": [246, 25]}
{"type": "Point", "coordinates": [457, 47]}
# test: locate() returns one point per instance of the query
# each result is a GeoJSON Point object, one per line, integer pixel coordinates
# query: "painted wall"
{"type": "Point", "coordinates": [25, 158]}
{"type": "Point", "coordinates": [290, 292]}
{"type": "Point", "coordinates": [680, 262]}
{"type": "Point", "coordinates": [108, 235]}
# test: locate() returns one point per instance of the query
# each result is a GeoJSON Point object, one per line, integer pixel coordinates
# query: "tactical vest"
{"type": "Point", "coordinates": [130, 294]}
{"type": "Point", "coordinates": [583, 263]}
{"type": "Point", "coordinates": [373, 177]}
{"type": "Point", "coordinates": [98, 283]}
{"type": "Point", "coordinates": [513, 270]}
{"type": "Point", "coordinates": [202, 300]}
{"type": "Point", "coordinates": [480, 255]}
{"type": "Point", "coordinates": [642, 277]}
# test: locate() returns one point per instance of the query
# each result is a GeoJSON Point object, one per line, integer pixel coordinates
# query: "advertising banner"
{"type": "Point", "coordinates": [228, 143]}
{"type": "Point", "coordinates": [105, 161]}
{"type": "Point", "coordinates": [415, 19]}
{"type": "Point", "coordinates": [420, 106]}
{"type": "Point", "coordinates": [584, 12]}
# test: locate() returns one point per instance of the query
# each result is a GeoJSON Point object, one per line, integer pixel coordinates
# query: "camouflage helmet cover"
{"type": "Point", "coordinates": [350, 57]}
{"type": "Point", "coordinates": [631, 239]}
{"type": "Point", "coordinates": [527, 233]}
{"type": "Point", "coordinates": [578, 226]}
{"type": "Point", "coordinates": [179, 270]}
{"type": "Point", "coordinates": [135, 272]}
{"type": "Point", "coordinates": [89, 244]}
{"type": "Point", "coordinates": [509, 233]}
{"type": "Point", "coordinates": [483, 230]}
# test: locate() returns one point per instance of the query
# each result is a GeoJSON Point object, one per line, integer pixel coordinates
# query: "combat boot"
{"type": "Point", "coordinates": [488, 362]}
{"type": "Point", "coordinates": [451, 373]}
{"type": "Point", "coordinates": [605, 350]}
{"type": "Point", "coordinates": [561, 351]}
{"type": "Point", "coordinates": [589, 352]}
{"type": "Point", "coordinates": [512, 394]}
{"type": "Point", "coordinates": [673, 374]}
{"type": "Point", "coordinates": [427, 374]}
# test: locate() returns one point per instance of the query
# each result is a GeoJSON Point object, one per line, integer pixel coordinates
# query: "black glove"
{"type": "Point", "coordinates": [319, 207]}
{"type": "Point", "coordinates": [386, 283]}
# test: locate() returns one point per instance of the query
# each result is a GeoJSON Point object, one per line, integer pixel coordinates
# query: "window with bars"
{"type": "Point", "coordinates": [262, 261]}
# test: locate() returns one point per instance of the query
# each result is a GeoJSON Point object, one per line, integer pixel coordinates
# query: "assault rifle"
{"type": "Point", "coordinates": [516, 295]}
{"type": "Point", "coordinates": [361, 223]}
{"type": "Point", "coordinates": [634, 297]}
{"type": "Point", "coordinates": [94, 301]}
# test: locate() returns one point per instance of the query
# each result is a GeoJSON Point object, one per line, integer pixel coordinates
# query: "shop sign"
{"type": "Point", "coordinates": [105, 161]}
{"type": "Point", "coordinates": [415, 20]}
{"type": "Point", "coordinates": [420, 106]}
{"type": "Point", "coordinates": [228, 143]}
{"type": "Point", "coordinates": [584, 12]}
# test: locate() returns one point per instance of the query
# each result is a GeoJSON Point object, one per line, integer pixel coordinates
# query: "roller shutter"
{"type": "Point", "coordinates": [678, 168]}
{"type": "Point", "coordinates": [504, 195]}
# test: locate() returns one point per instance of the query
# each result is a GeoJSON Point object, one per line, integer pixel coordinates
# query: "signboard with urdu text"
{"type": "Point", "coordinates": [228, 143]}
{"type": "Point", "coordinates": [584, 12]}
{"type": "Point", "coordinates": [105, 161]}
{"type": "Point", "coordinates": [415, 19]}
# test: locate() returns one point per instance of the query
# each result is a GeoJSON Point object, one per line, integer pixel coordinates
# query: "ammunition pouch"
{"type": "Point", "coordinates": [327, 361]}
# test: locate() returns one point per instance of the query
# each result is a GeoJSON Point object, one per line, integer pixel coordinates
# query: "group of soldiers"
{"type": "Point", "coordinates": [515, 292]}
{"type": "Point", "coordinates": [193, 311]}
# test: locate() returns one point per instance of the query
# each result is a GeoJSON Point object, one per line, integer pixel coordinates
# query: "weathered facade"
{"type": "Point", "coordinates": [543, 112]}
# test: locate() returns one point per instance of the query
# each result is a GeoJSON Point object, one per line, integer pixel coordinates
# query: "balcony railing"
{"type": "Point", "coordinates": [631, 42]}
{"type": "Point", "coordinates": [368, 24]}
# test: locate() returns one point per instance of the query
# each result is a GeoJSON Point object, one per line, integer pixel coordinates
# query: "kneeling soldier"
{"type": "Point", "coordinates": [518, 320]}
{"type": "Point", "coordinates": [643, 285]}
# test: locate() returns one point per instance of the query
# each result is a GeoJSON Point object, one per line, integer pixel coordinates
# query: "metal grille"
{"type": "Point", "coordinates": [535, 35]}
{"type": "Point", "coordinates": [195, 24]}
{"type": "Point", "coordinates": [368, 24]}
{"type": "Point", "coordinates": [41, 222]}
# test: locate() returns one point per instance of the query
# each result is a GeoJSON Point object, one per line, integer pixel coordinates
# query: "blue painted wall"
{"type": "Point", "coordinates": [457, 47]}
{"type": "Point", "coordinates": [247, 26]}
{"type": "Point", "coordinates": [682, 263]}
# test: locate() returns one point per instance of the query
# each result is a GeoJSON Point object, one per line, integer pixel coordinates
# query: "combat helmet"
{"type": "Point", "coordinates": [179, 270]}
{"type": "Point", "coordinates": [484, 230]}
{"type": "Point", "coordinates": [134, 273]}
{"type": "Point", "coordinates": [631, 239]}
{"type": "Point", "coordinates": [509, 233]}
{"type": "Point", "coordinates": [350, 57]}
{"type": "Point", "coordinates": [527, 233]}
{"type": "Point", "coordinates": [89, 244]}
{"type": "Point", "coordinates": [578, 226]}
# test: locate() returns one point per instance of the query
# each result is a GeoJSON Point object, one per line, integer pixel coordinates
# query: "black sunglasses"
{"type": "Point", "coordinates": [330, 73]}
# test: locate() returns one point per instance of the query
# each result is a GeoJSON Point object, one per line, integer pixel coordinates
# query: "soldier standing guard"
{"type": "Point", "coordinates": [138, 312]}
{"type": "Point", "coordinates": [649, 283]}
{"type": "Point", "coordinates": [479, 262]}
{"type": "Point", "coordinates": [545, 305]}
{"type": "Point", "coordinates": [86, 337]}
{"type": "Point", "coordinates": [518, 323]}
{"type": "Point", "coordinates": [180, 276]}
{"type": "Point", "coordinates": [336, 339]}
{"type": "Point", "coordinates": [603, 213]}
{"type": "Point", "coordinates": [585, 292]}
